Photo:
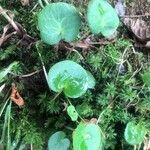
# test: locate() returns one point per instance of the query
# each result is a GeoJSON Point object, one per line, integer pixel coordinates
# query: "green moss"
{"type": "Point", "coordinates": [118, 85]}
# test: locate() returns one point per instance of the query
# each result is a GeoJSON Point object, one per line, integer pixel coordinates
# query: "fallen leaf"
{"type": "Point", "coordinates": [93, 120]}
{"type": "Point", "coordinates": [25, 2]}
{"type": "Point", "coordinates": [147, 44]}
{"type": "Point", "coordinates": [15, 96]}
{"type": "Point", "coordinates": [139, 28]}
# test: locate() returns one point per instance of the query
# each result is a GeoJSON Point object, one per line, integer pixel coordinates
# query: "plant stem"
{"type": "Point", "coordinates": [41, 3]}
{"type": "Point", "coordinates": [31, 146]}
{"type": "Point", "coordinates": [8, 127]}
{"type": "Point", "coordinates": [100, 115]}
{"type": "Point", "coordinates": [139, 147]}
{"type": "Point", "coordinates": [76, 111]}
{"type": "Point", "coordinates": [4, 126]}
{"type": "Point", "coordinates": [98, 120]}
{"type": "Point", "coordinates": [2, 110]}
{"type": "Point", "coordinates": [43, 66]}
{"type": "Point", "coordinates": [46, 1]}
{"type": "Point", "coordinates": [134, 147]}
{"type": "Point", "coordinates": [56, 95]}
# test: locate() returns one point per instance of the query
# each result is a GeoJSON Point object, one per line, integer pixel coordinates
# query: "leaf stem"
{"type": "Point", "coordinates": [41, 3]}
{"type": "Point", "coordinates": [57, 95]}
{"type": "Point", "coordinates": [46, 1]}
{"type": "Point", "coordinates": [134, 147]}
{"type": "Point", "coordinates": [41, 59]}
{"type": "Point", "coordinates": [100, 115]}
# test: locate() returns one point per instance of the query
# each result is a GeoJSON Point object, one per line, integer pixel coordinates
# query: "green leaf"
{"type": "Point", "coordinates": [87, 136]}
{"type": "Point", "coordinates": [5, 71]}
{"type": "Point", "coordinates": [146, 78]}
{"type": "Point", "coordinates": [72, 113]}
{"type": "Point", "coordinates": [69, 77]}
{"type": "Point", "coordinates": [58, 141]}
{"type": "Point", "coordinates": [134, 133]}
{"type": "Point", "coordinates": [59, 21]}
{"type": "Point", "coordinates": [102, 17]}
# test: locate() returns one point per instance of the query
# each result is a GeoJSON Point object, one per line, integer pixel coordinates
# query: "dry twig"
{"type": "Point", "coordinates": [9, 19]}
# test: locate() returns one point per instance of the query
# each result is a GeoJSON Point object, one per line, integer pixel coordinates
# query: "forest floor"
{"type": "Point", "coordinates": [28, 113]}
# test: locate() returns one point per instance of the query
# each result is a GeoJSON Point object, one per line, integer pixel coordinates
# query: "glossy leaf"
{"type": "Point", "coordinates": [87, 136]}
{"type": "Point", "coordinates": [69, 77]}
{"type": "Point", "coordinates": [59, 21]}
{"type": "Point", "coordinates": [58, 141]}
{"type": "Point", "coordinates": [146, 78]}
{"type": "Point", "coordinates": [134, 133]}
{"type": "Point", "coordinates": [72, 113]}
{"type": "Point", "coordinates": [102, 17]}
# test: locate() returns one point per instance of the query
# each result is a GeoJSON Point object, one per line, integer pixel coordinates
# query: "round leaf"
{"type": "Point", "coordinates": [58, 141]}
{"type": "Point", "coordinates": [59, 21]}
{"type": "Point", "coordinates": [87, 136]}
{"type": "Point", "coordinates": [134, 134]}
{"type": "Point", "coordinates": [102, 17]}
{"type": "Point", "coordinates": [72, 113]}
{"type": "Point", "coordinates": [69, 77]}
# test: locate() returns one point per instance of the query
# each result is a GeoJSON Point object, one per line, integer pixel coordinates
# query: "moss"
{"type": "Point", "coordinates": [117, 84]}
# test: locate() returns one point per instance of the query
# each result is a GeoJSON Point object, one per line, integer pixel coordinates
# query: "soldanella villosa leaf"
{"type": "Point", "coordinates": [5, 71]}
{"type": "Point", "coordinates": [72, 113]}
{"type": "Point", "coordinates": [71, 78]}
{"type": "Point", "coordinates": [88, 136]}
{"type": "Point", "coordinates": [134, 133]}
{"type": "Point", "coordinates": [58, 141]}
{"type": "Point", "coordinates": [102, 18]}
{"type": "Point", "coordinates": [59, 21]}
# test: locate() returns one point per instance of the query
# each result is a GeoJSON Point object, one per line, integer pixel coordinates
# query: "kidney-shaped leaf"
{"type": "Point", "coordinates": [59, 21]}
{"type": "Point", "coordinates": [72, 113]}
{"type": "Point", "coordinates": [102, 17]}
{"type": "Point", "coordinates": [87, 136]}
{"type": "Point", "coordinates": [58, 141]}
{"type": "Point", "coordinates": [69, 77]}
{"type": "Point", "coordinates": [134, 133]}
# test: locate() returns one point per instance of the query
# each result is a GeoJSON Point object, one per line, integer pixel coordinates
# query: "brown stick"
{"type": "Point", "coordinates": [136, 16]}
{"type": "Point", "coordinates": [9, 19]}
